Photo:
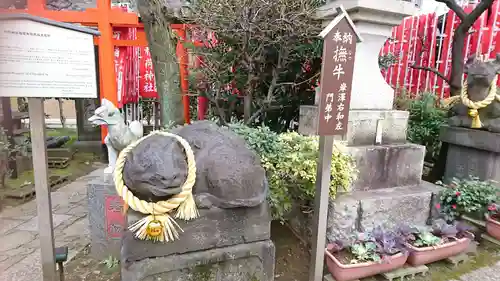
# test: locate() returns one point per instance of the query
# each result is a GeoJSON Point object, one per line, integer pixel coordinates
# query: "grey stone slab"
{"type": "Point", "coordinates": [15, 239]}
{"type": "Point", "coordinates": [343, 218]}
{"type": "Point", "coordinates": [20, 212]}
{"type": "Point", "coordinates": [28, 269]}
{"type": "Point", "coordinates": [32, 224]}
{"type": "Point", "coordinates": [362, 126]}
{"type": "Point", "coordinates": [491, 273]}
{"type": "Point", "coordinates": [243, 262]}
{"type": "Point", "coordinates": [214, 228]}
{"type": "Point", "coordinates": [105, 217]}
{"type": "Point", "coordinates": [477, 139]}
{"type": "Point", "coordinates": [471, 153]}
{"type": "Point", "coordinates": [385, 166]}
{"type": "Point", "coordinates": [8, 224]}
{"type": "Point", "coordinates": [390, 207]}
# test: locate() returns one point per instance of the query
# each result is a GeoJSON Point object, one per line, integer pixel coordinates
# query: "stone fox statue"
{"type": "Point", "coordinates": [478, 106]}
{"type": "Point", "coordinates": [120, 135]}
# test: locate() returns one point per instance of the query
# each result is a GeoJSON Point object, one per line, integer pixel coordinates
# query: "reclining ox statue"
{"type": "Point", "coordinates": [478, 106]}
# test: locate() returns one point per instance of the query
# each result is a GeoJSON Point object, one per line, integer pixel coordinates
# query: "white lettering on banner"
{"type": "Point", "coordinates": [347, 38]}
{"type": "Point", "coordinates": [339, 126]}
{"type": "Point", "coordinates": [148, 76]}
{"type": "Point", "coordinates": [337, 36]}
{"type": "Point", "coordinates": [329, 96]}
{"type": "Point", "coordinates": [338, 71]}
{"type": "Point", "coordinates": [340, 54]}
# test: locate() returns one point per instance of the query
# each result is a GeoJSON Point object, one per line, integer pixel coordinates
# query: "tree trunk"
{"type": "Point", "coordinates": [162, 45]}
{"type": "Point", "coordinates": [457, 64]}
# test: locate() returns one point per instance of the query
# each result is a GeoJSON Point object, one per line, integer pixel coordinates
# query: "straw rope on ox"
{"type": "Point", "coordinates": [475, 106]}
{"type": "Point", "coordinates": [158, 225]}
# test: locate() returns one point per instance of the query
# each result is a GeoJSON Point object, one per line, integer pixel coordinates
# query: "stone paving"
{"type": "Point", "coordinates": [491, 273]}
{"type": "Point", "coordinates": [19, 242]}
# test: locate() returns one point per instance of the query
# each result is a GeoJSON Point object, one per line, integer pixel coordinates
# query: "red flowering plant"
{"type": "Point", "coordinates": [494, 211]}
{"type": "Point", "coordinates": [467, 197]}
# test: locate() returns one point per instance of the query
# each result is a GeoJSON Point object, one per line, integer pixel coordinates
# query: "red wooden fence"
{"type": "Point", "coordinates": [425, 40]}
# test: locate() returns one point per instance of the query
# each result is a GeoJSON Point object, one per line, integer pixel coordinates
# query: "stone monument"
{"type": "Point", "coordinates": [229, 240]}
{"type": "Point", "coordinates": [472, 139]}
{"type": "Point", "coordinates": [389, 189]}
{"type": "Point", "coordinates": [106, 216]}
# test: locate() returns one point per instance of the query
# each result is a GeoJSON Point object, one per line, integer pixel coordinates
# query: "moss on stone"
{"type": "Point", "coordinates": [202, 273]}
{"type": "Point", "coordinates": [439, 271]}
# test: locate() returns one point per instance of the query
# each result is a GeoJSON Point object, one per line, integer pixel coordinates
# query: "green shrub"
{"type": "Point", "coordinates": [425, 121]}
{"type": "Point", "coordinates": [290, 162]}
{"type": "Point", "coordinates": [467, 196]}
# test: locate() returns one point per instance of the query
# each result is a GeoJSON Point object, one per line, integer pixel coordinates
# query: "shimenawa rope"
{"type": "Point", "coordinates": [159, 225]}
{"type": "Point", "coordinates": [475, 106]}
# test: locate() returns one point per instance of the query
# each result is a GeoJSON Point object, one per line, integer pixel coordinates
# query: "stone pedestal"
{"type": "Point", "coordinates": [471, 152]}
{"type": "Point", "coordinates": [106, 217]}
{"type": "Point", "coordinates": [374, 21]}
{"type": "Point", "coordinates": [389, 189]}
{"type": "Point", "coordinates": [222, 245]}
{"type": "Point", "coordinates": [363, 125]}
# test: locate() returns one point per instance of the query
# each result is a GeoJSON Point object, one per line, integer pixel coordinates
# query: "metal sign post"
{"type": "Point", "coordinates": [45, 59]}
{"type": "Point", "coordinates": [339, 47]}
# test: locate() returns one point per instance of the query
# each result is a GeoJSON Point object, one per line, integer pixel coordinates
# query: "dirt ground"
{"type": "Point", "coordinates": [292, 261]}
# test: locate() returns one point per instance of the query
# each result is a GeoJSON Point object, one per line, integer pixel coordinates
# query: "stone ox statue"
{"type": "Point", "coordinates": [120, 135]}
{"type": "Point", "coordinates": [228, 174]}
{"type": "Point", "coordinates": [479, 104]}
{"type": "Point", "coordinates": [230, 190]}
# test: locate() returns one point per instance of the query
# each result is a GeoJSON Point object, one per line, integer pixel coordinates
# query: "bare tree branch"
{"type": "Point", "coordinates": [433, 70]}
{"type": "Point", "coordinates": [455, 8]}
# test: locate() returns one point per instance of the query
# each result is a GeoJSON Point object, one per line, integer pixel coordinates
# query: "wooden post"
{"type": "Point", "coordinates": [321, 207]}
{"type": "Point", "coordinates": [339, 47]}
{"type": "Point", "coordinates": [43, 202]}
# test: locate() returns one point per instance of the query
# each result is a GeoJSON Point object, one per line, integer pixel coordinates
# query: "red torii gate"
{"type": "Point", "coordinates": [105, 18]}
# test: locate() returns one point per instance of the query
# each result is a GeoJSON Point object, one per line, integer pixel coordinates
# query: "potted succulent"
{"type": "Point", "coordinates": [442, 241]}
{"type": "Point", "coordinates": [370, 254]}
{"type": "Point", "coordinates": [493, 221]}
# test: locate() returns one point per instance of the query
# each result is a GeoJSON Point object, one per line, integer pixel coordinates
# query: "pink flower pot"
{"type": "Point", "coordinates": [493, 227]}
{"type": "Point", "coordinates": [425, 255]}
{"type": "Point", "coordinates": [347, 272]}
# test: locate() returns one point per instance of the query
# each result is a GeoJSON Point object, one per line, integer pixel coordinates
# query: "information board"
{"type": "Point", "coordinates": [40, 60]}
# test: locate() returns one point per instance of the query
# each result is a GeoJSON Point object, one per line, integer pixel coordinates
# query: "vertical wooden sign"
{"type": "Point", "coordinates": [339, 47]}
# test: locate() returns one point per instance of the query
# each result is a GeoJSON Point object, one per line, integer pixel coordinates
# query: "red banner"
{"type": "Point", "coordinates": [147, 84]}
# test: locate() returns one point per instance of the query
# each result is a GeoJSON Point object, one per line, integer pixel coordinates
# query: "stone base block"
{"type": "Point", "coordinates": [471, 153]}
{"type": "Point", "coordinates": [106, 217]}
{"type": "Point", "coordinates": [384, 166]}
{"type": "Point", "coordinates": [362, 127]}
{"type": "Point", "coordinates": [243, 262]}
{"type": "Point", "coordinates": [214, 228]}
{"type": "Point", "coordinates": [363, 210]}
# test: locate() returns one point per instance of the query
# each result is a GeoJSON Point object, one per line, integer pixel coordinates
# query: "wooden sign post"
{"type": "Point", "coordinates": [339, 47]}
{"type": "Point", "coordinates": [39, 59]}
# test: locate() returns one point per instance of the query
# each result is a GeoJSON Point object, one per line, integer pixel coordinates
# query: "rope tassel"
{"type": "Point", "coordinates": [158, 225]}
{"type": "Point", "coordinates": [476, 121]}
{"type": "Point", "coordinates": [475, 106]}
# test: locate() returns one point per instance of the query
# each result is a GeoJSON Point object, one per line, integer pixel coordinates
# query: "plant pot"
{"type": "Point", "coordinates": [347, 272]}
{"type": "Point", "coordinates": [493, 227]}
{"type": "Point", "coordinates": [421, 256]}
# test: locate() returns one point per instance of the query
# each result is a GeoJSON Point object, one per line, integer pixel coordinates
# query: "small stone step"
{"type": "Point", "coordinates": [458, 259]}
{"type": "Point", "coordinates": [329, 277]}
{"type": "Point", "coordinates": [490, 239]}
{"type": "Point", "coordinates": [472, 249]}
{"type": "Point", "coordinates": [406, 272]}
